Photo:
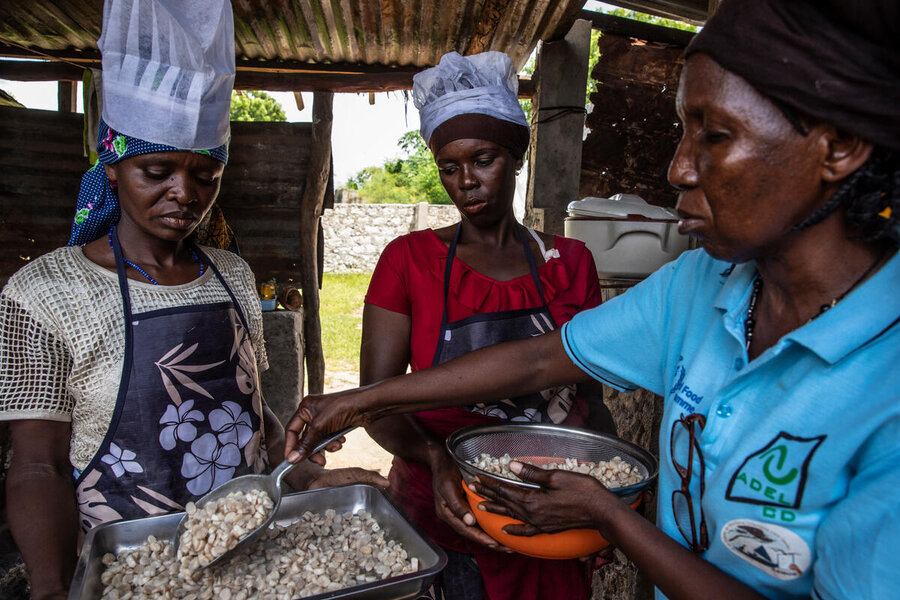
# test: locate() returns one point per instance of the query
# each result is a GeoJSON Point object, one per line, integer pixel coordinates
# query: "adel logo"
{"type": "Point", "coordinates": [776, 474]}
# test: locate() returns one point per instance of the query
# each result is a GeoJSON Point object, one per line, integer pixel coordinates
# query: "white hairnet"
{"type": "Point", "coordinates": [459, 85]}
{"type": "Point", "coordinates": [168, 70]}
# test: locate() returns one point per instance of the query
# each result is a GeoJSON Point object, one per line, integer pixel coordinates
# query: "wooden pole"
{"type": "Point", "coordinates": [317, 177]}
{"type": "Point", "coordinates": [67, 100]}
{"type": "Point", "coordinates": [554, 170]}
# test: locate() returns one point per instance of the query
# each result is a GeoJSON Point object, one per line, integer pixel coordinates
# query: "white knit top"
{"type": "Point", "coordinates": [62, 336]}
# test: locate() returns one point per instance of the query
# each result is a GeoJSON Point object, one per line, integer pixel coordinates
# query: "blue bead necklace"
{"type": "Point", "coordinates": [143, 272]}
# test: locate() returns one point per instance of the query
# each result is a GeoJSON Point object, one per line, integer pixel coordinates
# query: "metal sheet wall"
{"type": "Point", "coordinates": [633, 127]}
{"type": "Point", "coordinates": [261, 193]}
{"type": "Point", "coordinates": [41, 164]}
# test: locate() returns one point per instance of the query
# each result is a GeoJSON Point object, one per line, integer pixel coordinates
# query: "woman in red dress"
{"type": "Point", "coordinates": [436, 294]}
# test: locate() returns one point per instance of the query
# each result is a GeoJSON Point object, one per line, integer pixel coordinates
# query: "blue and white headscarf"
{"type": "Point", "coordinates": [98, 203]}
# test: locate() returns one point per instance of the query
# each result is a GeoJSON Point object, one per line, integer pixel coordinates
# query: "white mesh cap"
{"type": "Point", "coordinates": [460, 85]}
{"type": "Point", "coordinates": [168, 70]}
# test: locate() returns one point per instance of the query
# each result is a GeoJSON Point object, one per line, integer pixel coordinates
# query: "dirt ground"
{"type": "Point", "coordinates": [360, 450]}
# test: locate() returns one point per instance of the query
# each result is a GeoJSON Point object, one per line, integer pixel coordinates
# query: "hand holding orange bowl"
{"type": "Point", "coordinates": [573, 543]}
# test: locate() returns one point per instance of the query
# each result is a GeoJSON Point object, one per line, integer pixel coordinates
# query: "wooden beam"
{"type": "Point", "coordinates": [630, 28]}
{"type": "Point", "coordinates": [317, 178]}
{"type": "Point", "coordinates": [278, 80]}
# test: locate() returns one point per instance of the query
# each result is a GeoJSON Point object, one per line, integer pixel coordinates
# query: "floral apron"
{"type": "Point", "coordinates": [505, 576]}
{"type": "Point", "coordinates": [188, 412]}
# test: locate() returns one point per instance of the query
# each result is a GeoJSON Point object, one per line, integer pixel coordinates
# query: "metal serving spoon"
{"type": "Point", "coordinates": [270, 484]}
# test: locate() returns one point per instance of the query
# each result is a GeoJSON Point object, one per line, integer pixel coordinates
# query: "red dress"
{"type": "Point", "coordinates": [409, 280]}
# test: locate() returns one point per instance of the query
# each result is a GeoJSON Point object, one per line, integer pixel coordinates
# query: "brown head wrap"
{"type": "Point", "coordinates": [835, 60]}
{"type": "Point", "coordinates": [481, 127]}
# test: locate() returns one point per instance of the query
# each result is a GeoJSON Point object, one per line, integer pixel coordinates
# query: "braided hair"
{"type": "Point", "coordinates": [870, 197]}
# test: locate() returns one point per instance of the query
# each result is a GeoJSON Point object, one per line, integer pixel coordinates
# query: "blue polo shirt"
{"type": "Point", "coordinates": [801, 445]}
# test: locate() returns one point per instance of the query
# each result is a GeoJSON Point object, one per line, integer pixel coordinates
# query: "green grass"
{"type": "Point", "coordinates": [340, 311]}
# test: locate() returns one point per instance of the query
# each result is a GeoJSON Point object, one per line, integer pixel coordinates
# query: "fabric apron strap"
{"type": "Point", "coordinates": [123, 283]}
{"type": "Point", "coordinates": [206, 260]}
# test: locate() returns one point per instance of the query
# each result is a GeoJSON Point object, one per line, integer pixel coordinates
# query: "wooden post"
{"type": "Point", "coordinates": [67, 101]}
{"type": "Point", "coordinates": [557, 128]}
{"type": "Point", "coordinates": [317, 178]}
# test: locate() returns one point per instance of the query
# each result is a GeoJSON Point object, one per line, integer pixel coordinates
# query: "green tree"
{"type": "Point", "coordinates": [652, 19]}
{"type": "Point", "coordinates": [255, 106]}
{"type": "Point", "coordinates": [413, 178]}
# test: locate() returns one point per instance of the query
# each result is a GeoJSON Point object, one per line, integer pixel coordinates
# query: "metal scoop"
{"type": "Point", "coordinates": [270, 484]}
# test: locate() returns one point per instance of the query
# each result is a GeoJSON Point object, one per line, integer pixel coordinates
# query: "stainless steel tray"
{"type": "Point", "coordinates": [113, 537]}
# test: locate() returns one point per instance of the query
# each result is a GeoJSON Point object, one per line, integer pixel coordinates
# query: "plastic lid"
{"type": "Point", "coordinates": [620, 206]}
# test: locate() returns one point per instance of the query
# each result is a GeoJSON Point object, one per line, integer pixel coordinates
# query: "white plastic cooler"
{"type": "Point", "coordinates": [628, 237]}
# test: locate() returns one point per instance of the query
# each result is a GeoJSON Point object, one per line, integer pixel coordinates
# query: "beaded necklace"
{"type": "Point", "coordinates": [750, 321]}
{"type": "Point", "coordinates": [143, 272]}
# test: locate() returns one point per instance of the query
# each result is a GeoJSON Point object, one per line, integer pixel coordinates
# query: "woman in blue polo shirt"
{"type": "Point", "coordinates": [776, 347]}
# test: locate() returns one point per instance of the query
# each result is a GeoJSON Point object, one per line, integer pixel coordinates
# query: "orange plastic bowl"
{"type": "Point", "coordinates": [573, 543]}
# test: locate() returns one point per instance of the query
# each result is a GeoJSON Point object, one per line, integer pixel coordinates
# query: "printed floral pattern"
{"type": "Point", "coordinates": [529, 415]}
{"type": "Point", "coordinates": [178, 424]}
{"type": "Point", "coordinates": [255, 454]}
{"type": "Point", "coordinates": [92, 504]}
{"type": "Point", "coordinates": [231, 424]}
{"type": "Point", "coordinates": [120, 145]}
{"type": "Point", "coordinates": [121, 461]}
{"type": "Point", "coordinates": [245, 374]}
{"type": "Point", "coordinates": [209, 464]}
{"type": "Point", "coordinates": [108, 140]}
{"type": "Point", "coordinates": [171, 367]}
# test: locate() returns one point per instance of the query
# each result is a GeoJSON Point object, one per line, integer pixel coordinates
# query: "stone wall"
{"type": "Point", "coordinates": [355, 234]}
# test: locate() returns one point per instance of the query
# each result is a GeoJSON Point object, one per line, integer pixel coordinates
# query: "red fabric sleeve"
{"type": "Point", "coordinates": [388, 287]}
{"type": "Point", "coordinates": [583, 290]}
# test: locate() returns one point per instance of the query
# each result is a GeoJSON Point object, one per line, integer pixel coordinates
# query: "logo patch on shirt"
{"type": "Point", "coordinates": [776, 474]}
{"type": "Point", "coordinates": [770, 548]}
{"type": "Point", "coordinates": [680, 393]}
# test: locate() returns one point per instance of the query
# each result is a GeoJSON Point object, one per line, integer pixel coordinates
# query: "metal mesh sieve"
{"type": "Point", "coordinates": [538, 443]}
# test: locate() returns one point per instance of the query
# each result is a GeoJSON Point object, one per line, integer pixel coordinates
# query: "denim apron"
{"type": "Point", "coordinates": [188, 412]}
{"type": "Point", "coordinates": [482, 330]}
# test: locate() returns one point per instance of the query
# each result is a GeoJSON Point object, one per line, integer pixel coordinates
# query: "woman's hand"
{"type": "Point", "coordinates": [450, 502]}
{"type": "Point", "coordinates": [319, 415]}
{"type": "Point", "coordinates": [564, 501]}
{"type": "Point", "coordinates": [347, 476]}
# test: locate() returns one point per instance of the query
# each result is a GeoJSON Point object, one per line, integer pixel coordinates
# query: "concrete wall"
{"type": "Point", "coordinates": [355, 234]}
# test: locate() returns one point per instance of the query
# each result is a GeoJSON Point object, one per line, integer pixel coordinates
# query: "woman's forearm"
{"type": "Point", "coordinates": [500, 371]}
{"type": "Point", "coordinates": [43, 517]}
{"type": "Point", "coordinates": [403, 436]}
{"type": "Point", "coordinates": [676, 571]}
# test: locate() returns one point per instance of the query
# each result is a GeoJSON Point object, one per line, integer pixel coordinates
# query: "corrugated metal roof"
{"type": "Point", "coordinates": [403, 33]}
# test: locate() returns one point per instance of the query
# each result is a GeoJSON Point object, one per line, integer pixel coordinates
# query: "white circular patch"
{"type": "Point", "coordinates": [770, 548]}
